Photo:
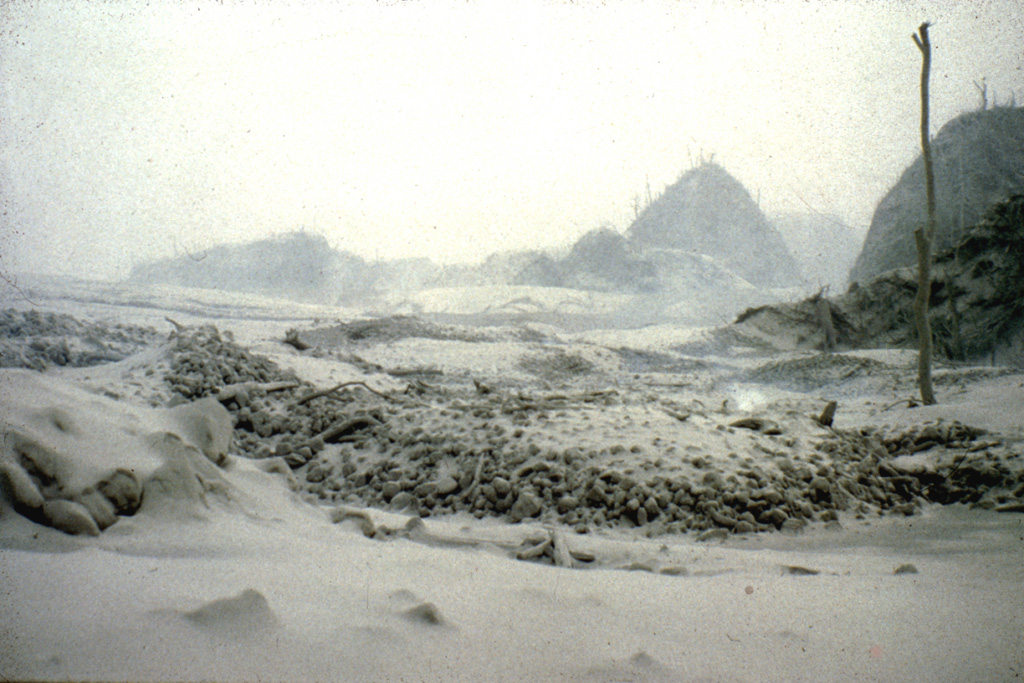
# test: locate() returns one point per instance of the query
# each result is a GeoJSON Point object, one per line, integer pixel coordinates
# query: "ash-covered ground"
{"type": "Point", "coordinates": [682, 435]}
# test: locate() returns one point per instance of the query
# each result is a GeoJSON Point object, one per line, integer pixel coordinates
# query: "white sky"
{"type": "Point", "coordinates": [453, 130]}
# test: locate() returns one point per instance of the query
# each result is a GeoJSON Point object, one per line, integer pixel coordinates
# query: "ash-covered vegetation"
{"type": "Point", "coordinates": [976, 306]}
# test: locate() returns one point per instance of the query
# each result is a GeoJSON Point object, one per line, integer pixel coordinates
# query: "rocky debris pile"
{"type": "Point", "coordinates": [851, 471]}
{"type": "Point", "coordinates": [273, 412]}
{"type": "Point", "coordinates": [487, 470]}
{"type": "Point", "coordinates": [930, 434]}
{"type": "Point", "coordinates": [203, 361]}
{"type": "Point", "coordinates": [934, 461]}
{"type": "Point", "coordinates": [556, 364]}
{"type": "Point", "coordinates": [814, 372]}
{"type": "Point", "coordinates": [957, 466]}
{"type": "Point", "coordinates": [261, 397]}
{"type": "Point", "coordinates": [36, 340]}
{"type": "Point", "coordinates": [438, 450]}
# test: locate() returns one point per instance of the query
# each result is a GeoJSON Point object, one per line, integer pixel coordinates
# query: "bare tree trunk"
{"type": "Point", "coordinates": [924, 237]}
{"type": "Point", "coordinates": [823, 311]}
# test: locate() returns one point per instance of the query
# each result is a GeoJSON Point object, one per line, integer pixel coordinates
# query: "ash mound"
{"type": "Point", "coordinates": [78, 462]}
{"type": "Point", "coordinates": [709, 212]}
{"type": "Point", "coordinates": [978, 160]}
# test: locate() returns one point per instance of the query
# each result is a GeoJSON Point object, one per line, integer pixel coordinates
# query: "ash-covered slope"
{"type": "Point", "coordinates": [701, 251]}
{"type": "Point", "coordinates": [979, 160]}
{"type": "Point", "coordinates": [703, 237]}
{"type": "Point", "coordinates": [709, 212]}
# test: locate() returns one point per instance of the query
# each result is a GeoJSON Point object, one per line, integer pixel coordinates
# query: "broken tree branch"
{"type": "Point", "coordinates": [291, 337]}
{"type": "Point", "coordinates": [178, 327]}
{"type": "Point", "coordinates": [233, 391]}
{"type": "Point", "coordinates": [346, 429]}
{"type": "Point", "coordinates": [328, 392]}
{"type": "Point", "coordinates": [828, 414]}
{"type": "Point", "coordinates": [560, 549]}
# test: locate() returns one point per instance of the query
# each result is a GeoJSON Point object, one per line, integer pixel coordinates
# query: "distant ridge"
{"type": "Point", "coordinates": [700, 251]}
{"type": "Point", "coordinates": [297, 264]}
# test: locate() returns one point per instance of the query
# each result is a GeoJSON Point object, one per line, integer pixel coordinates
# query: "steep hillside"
{"type": "Point", "coordinates": [709, 212]}
{"type": "Point", "coordinates": [979, 160]}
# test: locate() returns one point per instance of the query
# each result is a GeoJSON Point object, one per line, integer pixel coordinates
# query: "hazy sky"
{"type": "Point", "coordinates": [130, 131]}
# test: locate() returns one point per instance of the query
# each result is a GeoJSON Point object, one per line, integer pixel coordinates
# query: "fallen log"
{"type": "Point", "coordinates": [682, 417]}
{"type": "Point", "coordinates": [469, 490]}
{"type": "Point", "coordinates": [534, 552]}
{"type": "Point", "coordinates": [533, 546]}
{"type": "Point", "coordinates": [342, 431]}
{"type": "Point", "coordinates": [361, 518]}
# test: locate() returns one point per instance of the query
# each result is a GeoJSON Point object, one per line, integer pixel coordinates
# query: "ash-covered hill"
{"type": "Point", "coordinates": [704, 236]}
{"type": "Point", "coordinates": [709, 212]}
{"type": "Point", "coordinates": [979, 160]}
{"type": "Point", "coordinates": [697, 254]}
